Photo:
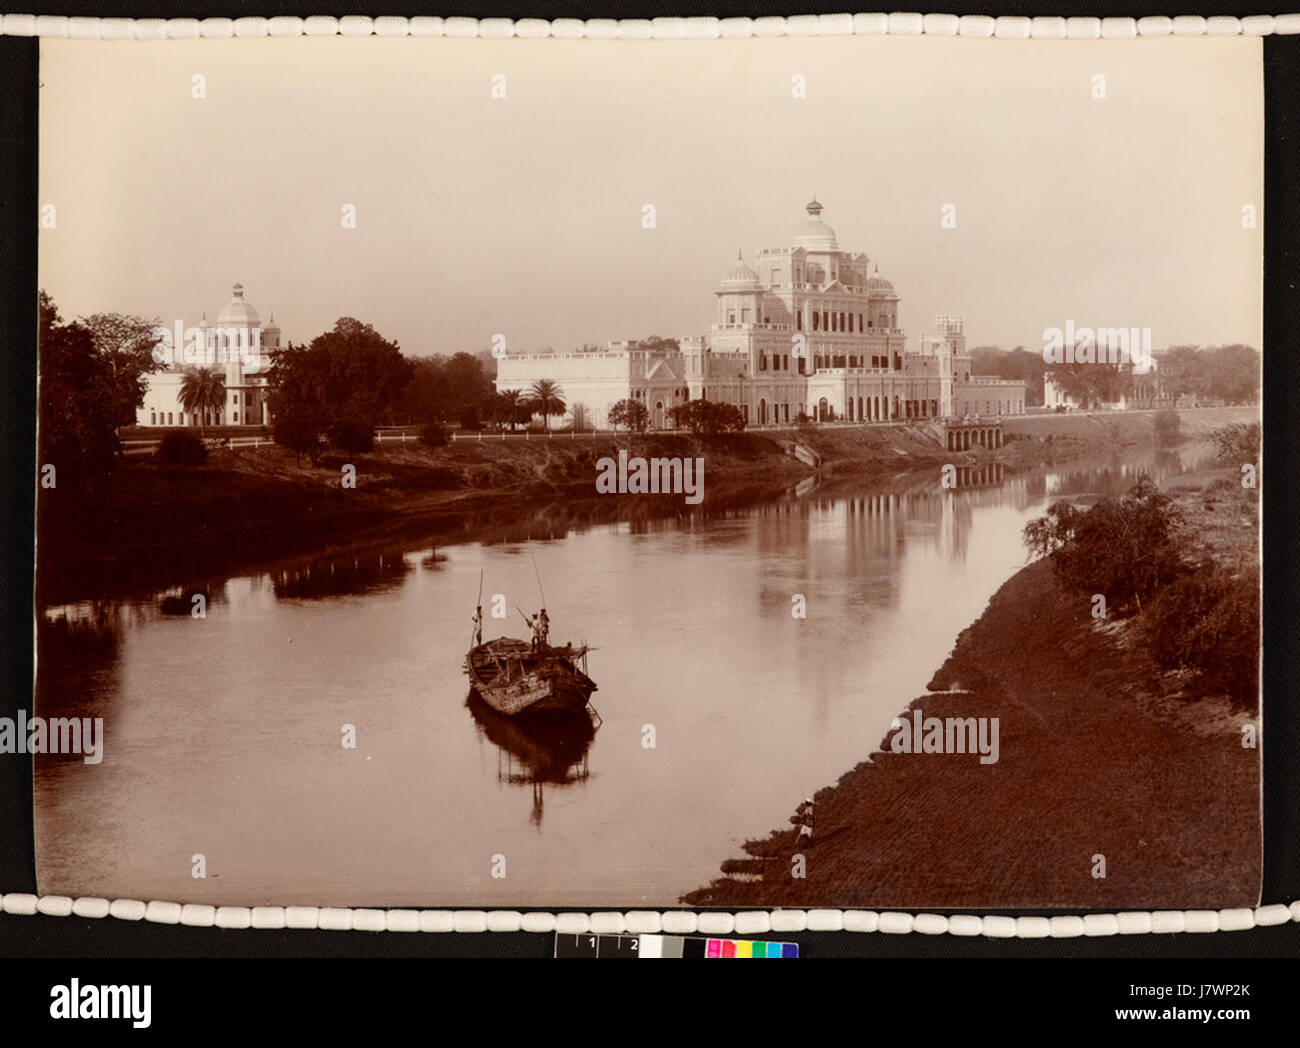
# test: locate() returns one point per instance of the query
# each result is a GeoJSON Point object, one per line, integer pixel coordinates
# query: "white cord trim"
{"type": "Point", "coordinates": [647, 922]}
{"type": "Point", "coordinates": [896, 24]}
{"type": "Point", "coordinates": [681, 922]}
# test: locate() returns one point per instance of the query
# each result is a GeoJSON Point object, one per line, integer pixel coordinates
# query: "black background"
{"type": "Point", "coordinates": [1065, 990]}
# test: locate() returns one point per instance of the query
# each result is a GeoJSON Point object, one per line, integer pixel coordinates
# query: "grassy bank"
{"type": "Point", "coordinates": [1101, 753]}
{"type": "Point", "coordinates": [152, 524]}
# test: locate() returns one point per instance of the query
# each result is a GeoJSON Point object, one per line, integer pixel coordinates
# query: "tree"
{"type": "Point", "coordinates": [1027, 367]}
{"type": "Point", "coordinates": [1125, 548]}
{"type": "Point", "coordinates": [1092, 384]}
{"type": "Point", "coordinates": [1183, 372]}
{"type": "Point", "coordinates": [546, 398]}
{"type": "Point", "coordinates": [1234, 373]}
{"type": "Point", "coordinates": [511, 407]}
{"type": "Point", "coordinates": [299, 410]}
{"type": "Point", "coordinates": [78, 404]}
{"type": "Point", "coordinates": [655, 342]}
{"type": "Point", "coordinates": [203, 390]}
{"type": "Point", "coordinates": [347, 380]}
{"type": "Point", "coordinates": [708, 417]}
{"type": "Point", "coordinates": [126, 344]}
{"type": "Point", "coordinates": [631, 413]}
{"type": "Point", "coordinates": [468, 384]}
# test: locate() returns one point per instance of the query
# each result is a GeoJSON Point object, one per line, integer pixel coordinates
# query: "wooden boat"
{"type": "Point", "coordinates": [518, 676]}
{"type": "Point", "coordinates": [513, 676]}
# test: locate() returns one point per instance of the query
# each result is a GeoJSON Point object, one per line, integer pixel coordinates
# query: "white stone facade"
{"type": "Point", "coordinates": [807, 329]}
{"type": "Point", "coordinates": [241, 346]}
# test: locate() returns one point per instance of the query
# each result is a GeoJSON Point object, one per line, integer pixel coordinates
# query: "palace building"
{"type": "Point", "coordinates": [807, 328]}
{"type": "Point", "coordinates": [238, 328]}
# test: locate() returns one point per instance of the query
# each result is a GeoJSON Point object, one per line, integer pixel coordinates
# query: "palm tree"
{"type": "Point", "coordinates": [546, 396]}
{"type": "Point", "coordinates": [203, 390]}
{"type": "Point", "coordinates": [512, 402]}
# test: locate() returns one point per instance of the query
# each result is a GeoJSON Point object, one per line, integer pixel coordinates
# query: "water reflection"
{"type": "Point", "coordinates": [227, 728]}
{"type": "Point", "coordinates": [344, 576]}
{"type": "Point", "coordinates": [536, 751]}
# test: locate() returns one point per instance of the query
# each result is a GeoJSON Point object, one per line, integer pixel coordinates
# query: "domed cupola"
{"type": "Point", "coordinates": [237, 312]}
{"type": "Point", "coordinates": [814, 234]}
{"type": "Point", "coordinates": [878, 287]}
{"type": "Point", "coordinates": [740, 277]}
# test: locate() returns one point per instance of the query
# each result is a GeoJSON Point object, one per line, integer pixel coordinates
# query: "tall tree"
{"type": "Point", "coordinates": [203, 390]}
{"type": "Point", "coordinates": [546, 399]}
{"type": "Point", "coordinates": [77, 402]}
{"type": "Point", "coordinates": [126, 343]}
{"type": "Point", "coordinates": [346, 382]}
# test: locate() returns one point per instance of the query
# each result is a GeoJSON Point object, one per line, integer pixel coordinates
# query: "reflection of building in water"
{"type": "Point", "coordinates": [808, 328]}
{"type": "Point", "coordinates": [536, 751]}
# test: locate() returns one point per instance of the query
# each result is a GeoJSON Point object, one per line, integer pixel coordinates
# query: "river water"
{"type": "Point", "coordinates": [223, 734]}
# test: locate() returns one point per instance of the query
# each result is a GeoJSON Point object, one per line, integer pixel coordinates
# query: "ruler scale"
{"type": "Point", "coordinates": [631, 947]}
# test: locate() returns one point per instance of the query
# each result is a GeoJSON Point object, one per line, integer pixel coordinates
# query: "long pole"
{"type": "Point", "coordinates": [536, 572]}
{"type": "Point", "coordinates": [478, 612]}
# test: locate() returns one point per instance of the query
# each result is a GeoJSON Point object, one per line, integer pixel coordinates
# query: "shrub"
{"type": "Point", "coordinates": [1238, 442]}
{"type": "Point", "coordinates": [1122, 547]}
{"type": "Point", "coordinates": [708, 417]}
{"type": "Point", "coordinates": [1167, 425]}
{"type": "Point", "coordinates": [435, 435]}
{"type": "Point", "coordinates": [630, 414]}
{"type": "Point", "coordinates": [353, 435]}
{"type": "Point", "coordinates": [180, 448]}
{"type": "Point", "coordinates": [1209, 622]}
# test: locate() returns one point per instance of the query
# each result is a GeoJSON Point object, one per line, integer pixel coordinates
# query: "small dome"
{"type": "Point", "coordinates": [237, 312]}
{"type": "Point", "coordinates": [741, 277]}
{"type": "Point", "coordinates": [814, 234]}
{"type": "Point", "coordinates": [878, 283]}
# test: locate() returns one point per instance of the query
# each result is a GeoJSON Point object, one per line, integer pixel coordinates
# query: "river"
{"type": "Point", "coordinates": [223, 734]}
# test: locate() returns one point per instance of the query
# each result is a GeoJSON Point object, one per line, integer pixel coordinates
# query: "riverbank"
{"type": "Point", "coordinates": [155, 524]}
{"type": "Point", "coordinates": [1100, 754]}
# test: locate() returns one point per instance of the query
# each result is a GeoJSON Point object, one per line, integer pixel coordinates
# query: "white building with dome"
{"type": "Point", "coordinates": [238, 327]}
{"type": "Point", "coordinates": [807, 328]}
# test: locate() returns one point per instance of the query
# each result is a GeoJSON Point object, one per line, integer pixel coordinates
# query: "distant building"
{"type": "Point", "coordinates": [807, 329]}
{"type": "Point", "coordinates": [1145, 391]}
{"type": "Point", "coordinates": [238, 325]}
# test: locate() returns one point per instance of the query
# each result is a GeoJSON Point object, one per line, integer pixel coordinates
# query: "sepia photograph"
{"type": "Point", "coordinates": [744, 473]}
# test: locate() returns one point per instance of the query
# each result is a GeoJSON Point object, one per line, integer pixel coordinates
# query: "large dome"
{"type": "Point", "coordinates": [814, 234]}
{"type": "Point", "coordinates": [741, 277]}
{"type": "Point", "coordinates": [237, 312]}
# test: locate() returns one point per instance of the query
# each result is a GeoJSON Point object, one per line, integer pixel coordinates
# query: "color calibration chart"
{"type": "Point", "coordinates": [633, 946]}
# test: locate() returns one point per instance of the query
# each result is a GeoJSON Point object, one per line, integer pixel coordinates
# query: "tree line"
{"type": "Point", "coordinates": [1229, 373]}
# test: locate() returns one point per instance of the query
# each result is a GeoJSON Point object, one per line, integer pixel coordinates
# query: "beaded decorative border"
{"type": "Point", "coordinates": [895, 24]}
{"type": "Point", "coordinates": [646, 922]}
{"type": "Point", "coordinates": [681, 922]}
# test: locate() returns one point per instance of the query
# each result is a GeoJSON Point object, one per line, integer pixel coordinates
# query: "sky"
{"type": "Point", "coordinates": [522, 215]}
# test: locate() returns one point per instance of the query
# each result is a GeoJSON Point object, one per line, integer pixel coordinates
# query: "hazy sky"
{"type": "Point", "coordinates": [523, 216]}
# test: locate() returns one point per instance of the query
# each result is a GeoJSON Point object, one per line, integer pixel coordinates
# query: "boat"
{"type": "Point", "coordinates": [515, 676]}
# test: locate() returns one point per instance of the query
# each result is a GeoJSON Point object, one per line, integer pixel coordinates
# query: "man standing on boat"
{"type": "Point", "coordinates": [541, 627]}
